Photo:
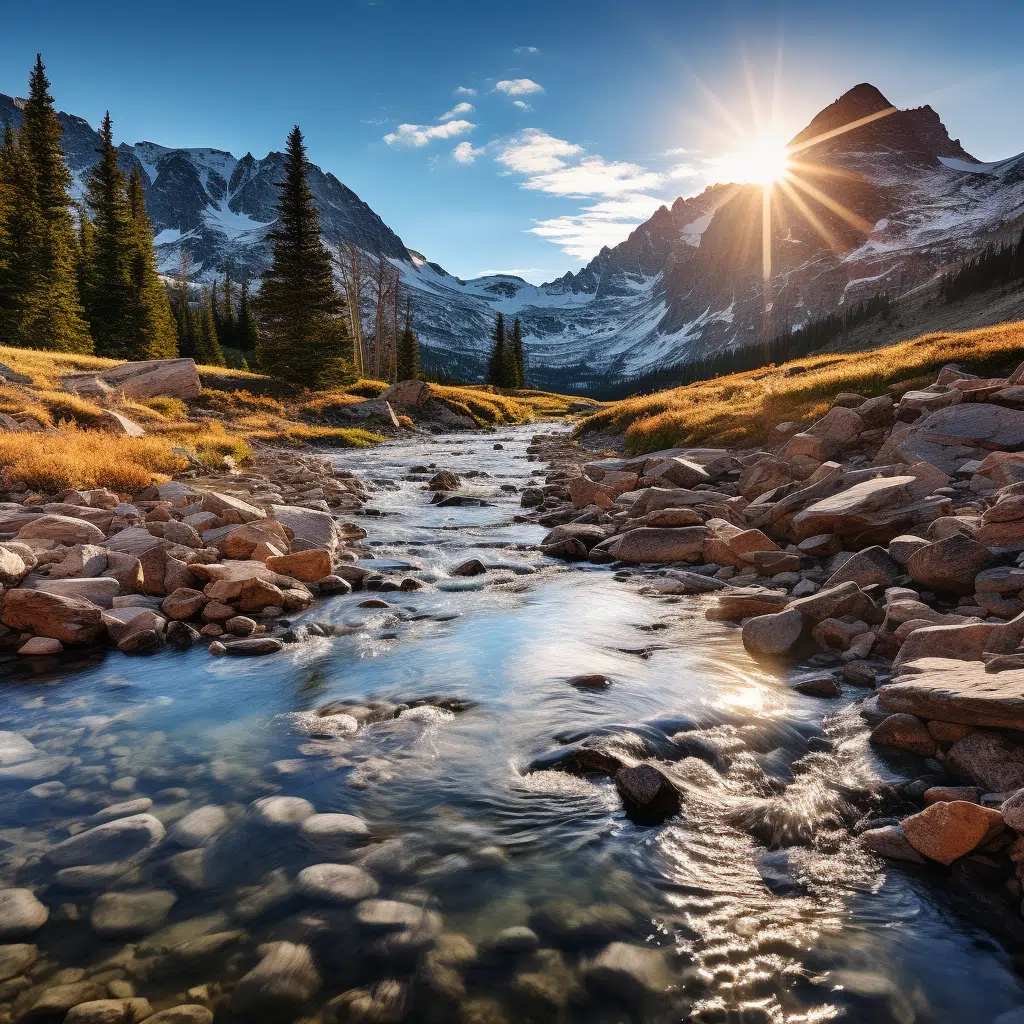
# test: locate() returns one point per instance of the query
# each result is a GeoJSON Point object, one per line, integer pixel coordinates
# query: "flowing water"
{"type": "Point", "coordinates": [762, 906]}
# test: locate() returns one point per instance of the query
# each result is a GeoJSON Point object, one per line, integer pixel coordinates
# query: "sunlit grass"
{"type": "Point", "coordinates": [744, 407]}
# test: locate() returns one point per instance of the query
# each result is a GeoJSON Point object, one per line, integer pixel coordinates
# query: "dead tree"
{"type": "Point", "coordinates": [351, 266]}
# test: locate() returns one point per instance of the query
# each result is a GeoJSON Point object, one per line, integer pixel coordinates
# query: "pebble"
{"type": "Point", "coordinates": [334, 833]}
{"type": "Point", "coordinates": [126, 913]}
{"type": "Point", "coordinates": [20, 913]}
{"type": "Point", "coordinates": [279, 811]}
{"type": "Point", "coordinates": [198, 827]}
{"type": "Point", "coordinates": [336, 883]}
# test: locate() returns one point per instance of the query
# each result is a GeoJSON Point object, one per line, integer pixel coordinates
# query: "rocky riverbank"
{"type": "Point", "coordinates": [880, 547]}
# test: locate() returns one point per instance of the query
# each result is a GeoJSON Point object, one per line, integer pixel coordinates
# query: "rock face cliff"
{"type": "Point", "coordinates": [882, 206]}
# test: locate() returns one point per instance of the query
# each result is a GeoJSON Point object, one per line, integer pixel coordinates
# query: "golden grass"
{"type": "Point", "coordinates": [483, 405]}
{"type": "Point", "coordinates": [743, 407]}
{"type": "Point", "coordinates": [297, 435]}
{"type": "Point", "coordinates": [73, 457]}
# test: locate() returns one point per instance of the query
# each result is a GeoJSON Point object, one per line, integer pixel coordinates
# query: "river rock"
{"type": "Point", "coordinates": [655, 544]}
{"type": "Point", "coordinates": [280, 984]}
{"type": "Point", "coordinates": [334, 833]}
{"type": "Point", "coordinates": [16, 959]}
{"type": "Point", "coordinates": [16, 562]}
{"type": "Point", "coordinates": [199, 827]}
{"type": "Point", "coordinates": [127, 913]}
{"type": "Point", "coordinates": [279, 811]}
{"type": "Point", "coordinates": [117, 840]}
{"type": "Point", "coordinates": [993, 761]}
{"type": "Point", "coordinates": [772, 634]}
{"type": "Point", "coordinates": [110, 1011]}
{"type": "Point", "coordinates": [1012, 811]}
{"type": "Point", "coordinates": [947, 831]}
{"type": "Point", "coordinates": [310, 525]}
{"type": "Point", "coordinates": [964, 642]}
{"type": "Point", "coordinates": [183, 603]}
{"type": "Point", "coordinates": [835, 603]}
{"type": "Point", "coordinates": [21, 913]}
{"type": "Point", "coordinates": [55, 1002]}
{"type": "Point", "coordinates": [957, 691]}
{"type": "Point", "coordinates": [68, 619]}
{"type": "Point", "coordinates": [184, 1014]}
{"type": "Point", "coordinates": [872, 565]}
{"type": "Point", "coordinates": [949, 565]}
{"type": "Point", "coordinates": [307, 566]}
{"type": "Point", "coordinates": [15, 748]}
{"type": "Point", "coordinates": [889, 841]}
{"type": "Point", "coordinates": [904, 732]}
{"type": "Point", "coordinates": [62, 529]}
{"type": "Point", "coordinates": [739, 603]}
{"type": "Point", "coordinates": [121, 810]}
{"type": "Point", "coordinates": [634, 974]}
{"type": "Point", "coordinates": [336, 883]}
{"type": "Point", "coordinates": [649, 797]}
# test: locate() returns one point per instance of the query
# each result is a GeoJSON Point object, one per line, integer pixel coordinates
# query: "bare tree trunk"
{"type": "Point", "coordinates": [394, 333]}
{"type": "Point", "coordinates": [350, 262]}
{"type": "Point", "coordinates": [378, 340]}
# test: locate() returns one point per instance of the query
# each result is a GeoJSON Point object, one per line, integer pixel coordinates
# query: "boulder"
{"type": "Point", "coordinates": [334, 834]}
{"type": "Point", "coordinates": [279, 812]}
{"type": "Point", "coordinates": [316, 528]}
{"type": "Point", "coordinates": [99, 591]}
{"type": "Point", "coordinates": [993, 761]}
{"type": "Point", "coordinates": [633, 974]}
{"type": "Point", "coordinates": [406, 394]}
{"type": "Point", "coordinates": [17, 560]}
{"type": "Point", "coordinates": [904, 732]}
{"type": "Point", "coordinates": [21, 913]}
{"type": "Point", "coordinates": [741, 602]}
{"type": "Point", "coordinates": [183, 603]}
{"type": "Point", "coordinates": [872, 565]}
{"type": "Point", "coordinates": [306, 566]}
{"type": "Point", "coordinates": [62, 529]}
{"type": "Point", "coordinates": [134, 836]}
{"type": "Point", "coordinates": [336, 883]}
{"type": "Point", "coordinates": [957, 691]}
{"type": "Point", "coordinates": [889, 841]}
{"type": "Point", "coordinates": [175, 378]}
{"type": "Point", "coordinates": [775, 633]}
{"type": "Point", "coordinates": [944, 832]}
{"type": "Point", "coordinates": [656, 544]}
{"type": "Point", "coordinates": [964, 642]}
{"type": "Point", "coordinates": [39, 645]}
{"type": "Point", "coordinates": [279, 985]}
{"type": "Point", "coordinates": [648, 796]}
{"type": "Point", "coordinates": [1012, 811]}
{"type": "Point", "coordinates": [131, 913]}
{"type": "Point", "coordinates": [677, 471]}
{"type": "Point", "coordinates": [68, 619]}
{"type": "Point", "coordinates": [199, 827]}
{"type": "Point", "coordinates": [949, 565]}
{"type": "Point", "coordinates": [16, 958]}
{"type": "Point", "coordinates": [834, 602]}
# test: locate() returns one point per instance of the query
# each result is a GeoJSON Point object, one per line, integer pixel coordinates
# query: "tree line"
{"type": "Point", "coordinates": [994, 265]}
{"type": "Point", "coordinates": [83, 277]}
{"type": "Point", "coordinates": [506, 367]}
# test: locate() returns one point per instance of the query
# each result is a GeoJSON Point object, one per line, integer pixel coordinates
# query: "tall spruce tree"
{"type": "Point", "coordinates": [110, 293]}
{"type": "Point", "coordinates": [52, 314]}
{"type": "Point", "coordinates": [303, 327]}
{"type": "Point", "coordinates": [408, 356]}
{"type": "Point", "coordinates": [516, 357]}
{"type": "Point", "coordinates": [497, 367]}
{"type": "Point", "coordinates": [156, 336]}
{"type": "Point", "coordinates": [21, 230]}
{"type": "Point", "coordinates": [246, 333]}
{"type": "Point", "coordinates": [207, 348]}
{"type": "Point", "coordinates": [226, 335]}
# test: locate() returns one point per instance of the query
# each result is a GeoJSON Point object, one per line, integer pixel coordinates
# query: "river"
{"type": "Point", "coordinates": [813, 929]}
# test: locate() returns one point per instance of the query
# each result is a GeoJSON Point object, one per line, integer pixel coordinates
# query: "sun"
{"type": "Point", "coordinates": [763, 160]}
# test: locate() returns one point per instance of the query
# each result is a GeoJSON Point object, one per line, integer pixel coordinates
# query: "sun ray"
{"type": "Point", "coordinates": [851, 218]}
{"type": "Point", "coordinates": [810, 216]}
{"type": "Point", "coordinates": [842, 130]}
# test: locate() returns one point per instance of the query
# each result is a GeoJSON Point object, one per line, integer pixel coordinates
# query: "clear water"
{"type": "Point", "coordinates": [465, 830]}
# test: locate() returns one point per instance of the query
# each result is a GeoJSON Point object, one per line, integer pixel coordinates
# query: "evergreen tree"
{"type": "Point", "coordinates": [21, 232]}
{"type": "Point", "coordinates": [497, 367]}
{"type": "Point", "coordinates": [52, 315]}
{"type": "Point", "coordinates": [207, 348]}
{"type": "Point", "coordinates": [246, 334]}
{"type": "Point", "coordinates": [155, 333]}
{"type": "Point", "coordinates": [86, 254]}
{"type": "Point", "coordinates": [110, 296]}
{"type": "Point", "coordinates": [227, 331]}
{"type": "Point", "coordinates": [517, 357]}
{"type": "Point", "coordinates": [304, 329]}
{"type": "Point", "coordinates": [408, 351]}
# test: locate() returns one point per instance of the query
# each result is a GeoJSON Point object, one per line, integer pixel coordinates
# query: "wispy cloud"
{"type": "Point", "coordinates": [418, 135]}
{"type": "Point", "coordinates": [526, 49]}
{"type": "Point", "coordinates": [521, 105]}
{"type": "Point", "coordinates": [459, 110]}
{"type": "Point", "coordinates": [465, 90]}
{"type": "Point", "coordinates": [518, 86]}
{"type": "Point", "coordinates": [464, 153]}
{"type": "Point", "coordinates": [617, 192]}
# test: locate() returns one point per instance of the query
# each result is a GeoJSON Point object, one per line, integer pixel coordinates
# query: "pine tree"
{"type": "Point", "coordinates": [497, 367]}
{"type": "Point", "coordinates": [155, 334]}
{"type": "Point", "coordinates": [517, 357]}
{"type": "Point", "coordinates": [408, 350]}
{"type": "Point", "coordinates": [246, 334]}
{"type": "Point", "coordinates": [110, 296]}
{"type": "Point", "coordinates": [304, 330]}
{"type": "Point", "coordinates": [52, 316]}
{"type": "Point", "coordinates": [207, 348]}
{"type": "Point", "coordinates": [226, 333]}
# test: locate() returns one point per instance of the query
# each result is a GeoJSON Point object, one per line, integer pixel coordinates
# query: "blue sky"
{"type": "Point", "coordinates": [576, 118]}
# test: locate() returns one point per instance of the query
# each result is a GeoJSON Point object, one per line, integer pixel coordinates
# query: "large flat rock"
{"type": "Point", "coordinates": [957, 691]}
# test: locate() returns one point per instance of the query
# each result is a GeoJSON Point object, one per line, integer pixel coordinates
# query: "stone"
{"type": "Point", "coordinates": [1012, 810]}
{"type": "Point", "coordinates": [821, 546]}
{"type": "Point", "coordinates": [63, 529]}
{"type": "Point", "coordinates": [254, 646]}
{"type": "Point", "coordinates": [56, 1000]}
{"type": "Point", "coordinates": [279, 811]}
{"type": "Point", "coordinates": [130, 913]}
{"type": "Point", "coordinates": [68, 619]}
{"type": "Point", "coordinates": [183, 603]}
{"type": "Point", "coordinates": [889, 841]}
{"type": "Point", "coordinates": [946, 831]}
{"type": "Point", "coordinates": [334, 833]}
{"type": "Point", "coordinates": [904, 732]}
{"type": "Point", "coordinates": [176, 378]}
{"type": "Point", "coordinates": [649, 797]}
{"type": "Point", "coordinates": [406, 394]}
{"type": "Point", "coordinates": [656, 544]}
{"type": "Point", "coordinates": [110, 1011]}
{"type": "Point", "coordinates": [957, 691]}
{"type": "Point", "coordinates": [307, 566]}
{"type": "Point", "coordinates": [873, 565]}
{"type": "Point", "coordinates": [635, 974]}
{"type": "Point", "coordinates": [835, 602]}
{"type": "Point", "coordinates": [902, 547]}
{"type": "Point", "coordinates": [336, 883]}
{"type": "Point", "coordinates": [993, 761]}
{"type": "Point", "coordinates": [15, 748]}
{"type": "Point", "coordinates": [100, 591]}
{"type": "Point", "coordinates": [381, 916]}
{"type": "Point", "coordinates": [773, 634]}
{"type": "Point", "coordinates": [964, 642]}
{"type": "Point", "coordinates": [16, 562]}
{"type": "Point", "coordinates": [199, 827]}
{"type": "Point", "coordinates": [949, 565]}
{"type": "Point", "coordinates": [134, 836]}
{"type": "Point", "coordinates": [21, 913]}
{"type": "Point", "coordinates": [41, 645]}
{"type": "Point", "coordinates": [121, 810]}
{"type": "Point", "coordinates": [739, 603]}
{"type": "Point", "coordinates": [471, 567]}
{"type": "Point", "coordinates": [279, 985]}
{"type": "Point", "coordinates": [16, 958]}
{"type": "Point", "coordinates": [310, 525]}
{"type": "Point", "coordinates": [937, 438]}
{"type": "Point", "coordinates": [184, 1014]}
{"type": "Point", "coordinates": [678, 471]}
{"type": "Point", "coordinates": [819, 686]}
{"type": "Point", "coordinates": [512, 941]}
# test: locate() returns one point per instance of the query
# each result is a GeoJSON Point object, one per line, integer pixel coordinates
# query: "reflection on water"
{"type": "Point", "coordinates": [753, 906]}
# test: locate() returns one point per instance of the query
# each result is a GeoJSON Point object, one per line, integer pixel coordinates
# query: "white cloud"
{"type": "Point", "coordinates": [534, 152]}
{"type": "Point", "coordinates": [464, 90]}
{"type": "Point", "coordinates": [457, 111]}
{"type": "Point", "coordinates": [595, 176]}
{"type": "Point", "coordinates": [418, 135]}
{"type": "Point", "coordinates": [464, 153]}
{"type": "Point", "coordinates": [606, 223]}
{"type": "Point", "coordinates": [518, 86]}
{"type": "Point", "coordinates": [526, 49]}
{"type": "Point", "coordinates": [521, 104]}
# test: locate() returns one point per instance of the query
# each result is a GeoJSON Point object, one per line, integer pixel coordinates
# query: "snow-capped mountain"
{"type": "Point", "coordinates": [883, 206]}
